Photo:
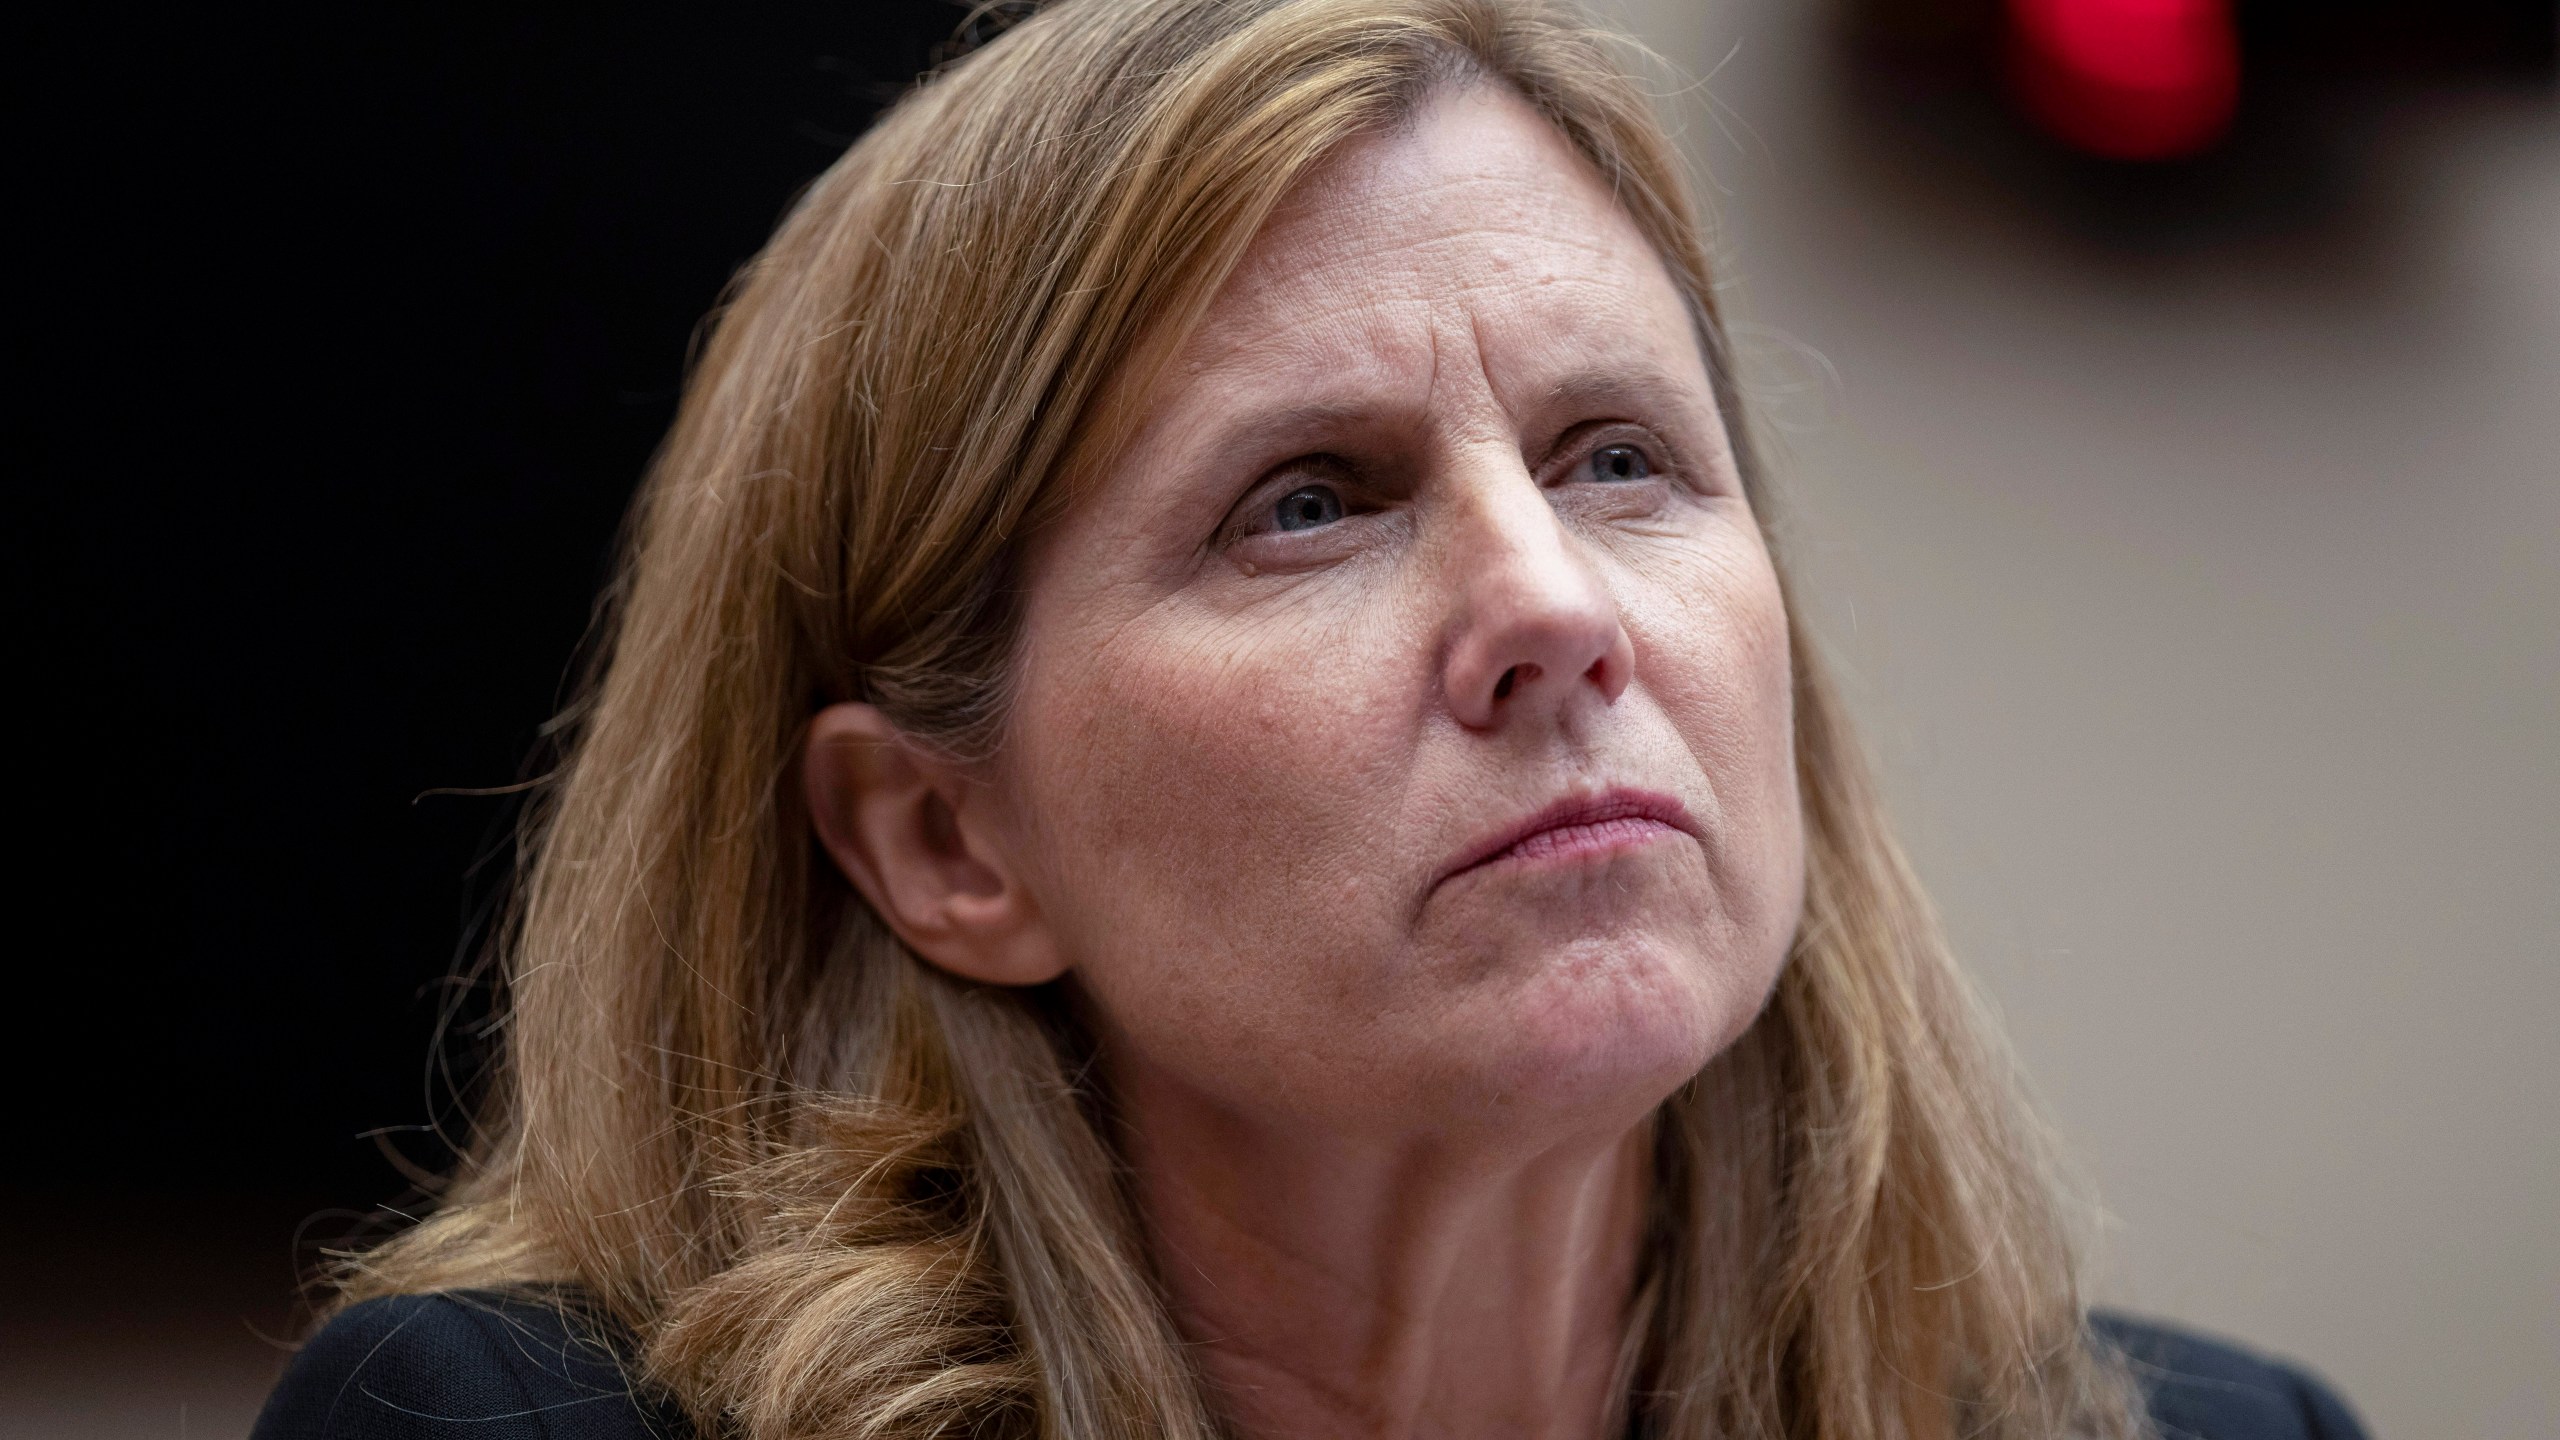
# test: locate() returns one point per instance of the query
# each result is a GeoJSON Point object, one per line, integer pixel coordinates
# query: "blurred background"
{"type": "Point", "coordinates": [2165, 395]}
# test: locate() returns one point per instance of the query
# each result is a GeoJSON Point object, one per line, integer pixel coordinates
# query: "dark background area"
{"type": "Point", "coordinates": [350, 337]}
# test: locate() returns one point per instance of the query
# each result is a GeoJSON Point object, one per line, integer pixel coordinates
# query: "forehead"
{"type": "Point", "coordinates": [1475, 221]}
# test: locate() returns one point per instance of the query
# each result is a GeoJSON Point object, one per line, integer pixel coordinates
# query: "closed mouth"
{"type": "Point", "coordinates": [1579, 827]}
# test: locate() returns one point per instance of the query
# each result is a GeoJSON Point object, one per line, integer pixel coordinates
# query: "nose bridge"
{"type": "Point", "coordinates": [1521, 551]}
{"type": "Point", "coordinates": [1534, 622]}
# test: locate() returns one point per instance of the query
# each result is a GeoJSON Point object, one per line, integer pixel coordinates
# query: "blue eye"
{"type": "Point", "coordinates": [1620, 462]}
{"type": "Point", "coordinates": [1307, 507]}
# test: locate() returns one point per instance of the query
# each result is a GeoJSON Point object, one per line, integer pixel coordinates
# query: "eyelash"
{"type": "Point", "coordinates": [1243, 522]}
{"type": "Point", "coordinates": [1657, 459]}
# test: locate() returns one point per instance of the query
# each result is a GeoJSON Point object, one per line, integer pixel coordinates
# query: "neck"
{"type": "Point", "coordinates": [1393, 1286]}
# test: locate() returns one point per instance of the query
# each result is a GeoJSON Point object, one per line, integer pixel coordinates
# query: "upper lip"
{"type": "Point", "coordinates": [1619, 802]}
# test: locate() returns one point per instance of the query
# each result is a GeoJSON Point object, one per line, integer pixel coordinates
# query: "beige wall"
{"type": "Point", "coordinates": [2204, 610]}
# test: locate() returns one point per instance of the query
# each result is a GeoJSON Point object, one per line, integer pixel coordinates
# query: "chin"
{"type": "Point", "coordinates": [1607, 1028]}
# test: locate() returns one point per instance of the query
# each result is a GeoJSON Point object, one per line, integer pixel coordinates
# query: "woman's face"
{"type": "Point", "coordinates": [1403, 734]}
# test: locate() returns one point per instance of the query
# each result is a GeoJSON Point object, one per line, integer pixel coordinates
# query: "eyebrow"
{"type": "Point", "coordinates": [1643, 388]}
{"type": "Point", "coordinates": [1291, 425]}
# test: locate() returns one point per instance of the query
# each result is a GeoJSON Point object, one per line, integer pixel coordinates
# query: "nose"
{"type": "Point", "coordinates": [1535, 627]}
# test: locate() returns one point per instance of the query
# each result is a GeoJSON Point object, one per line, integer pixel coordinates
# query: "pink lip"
{"type": "Point", "coordinates": [1580, 827]}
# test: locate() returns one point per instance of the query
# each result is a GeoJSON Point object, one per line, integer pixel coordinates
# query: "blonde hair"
{"type": "Point", "coordinates": [831, 1190]}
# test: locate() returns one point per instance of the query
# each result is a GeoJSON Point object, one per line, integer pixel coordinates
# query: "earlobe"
{"type": "Point", "coordinates": [911, 833]}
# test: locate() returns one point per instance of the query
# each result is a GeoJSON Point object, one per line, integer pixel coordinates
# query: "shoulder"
{"type": "Point", "coordinates": [462, 1363]}
{"type": "Point", "coordinates": [2200, 1388]}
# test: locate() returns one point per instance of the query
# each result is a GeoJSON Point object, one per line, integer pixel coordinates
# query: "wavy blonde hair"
{"type": "Point", "coordinates": [831, 1190]}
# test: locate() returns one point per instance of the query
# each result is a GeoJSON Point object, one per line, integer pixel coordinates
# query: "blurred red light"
{"type": "Point", "coordinates": [2127, 79]}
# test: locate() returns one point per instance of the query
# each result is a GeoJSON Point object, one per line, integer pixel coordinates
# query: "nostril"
{"type": "Point", "coordinates": [1515, 675]}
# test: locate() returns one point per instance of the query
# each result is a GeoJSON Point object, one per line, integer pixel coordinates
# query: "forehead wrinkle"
{"type": "Point", "coordinates": [1374, 322]}
{"type": "Point", "coordinates": [1345, 255]}
{"type": "Point", "coordinates": [1349, 297]}
{"type": "Point", "coordinates": [1350, 323]}
{"type": "Point", "coordinates": [1361, 264]}
{"type": "Point", "coordinates": [1346, 368]}
{"type": "Point", "coordinates": [1354, 344]}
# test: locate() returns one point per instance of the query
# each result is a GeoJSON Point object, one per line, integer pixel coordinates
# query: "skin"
{"type": "Point", "coordinates": [1433, 523]}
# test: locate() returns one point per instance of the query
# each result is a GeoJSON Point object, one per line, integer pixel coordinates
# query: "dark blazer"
{"type": "Point", "coordinates": [477, 1366]}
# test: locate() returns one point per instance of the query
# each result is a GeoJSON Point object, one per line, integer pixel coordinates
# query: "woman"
{"type": "Point", "coordinates": [1206, 816]}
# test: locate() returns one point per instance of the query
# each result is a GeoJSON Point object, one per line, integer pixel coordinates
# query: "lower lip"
{"type": "Point", "coordinates": [1569, 844]}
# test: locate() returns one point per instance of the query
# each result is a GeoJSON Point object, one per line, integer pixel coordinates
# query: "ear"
{"type": "Point", "coordinates": [913, 835]}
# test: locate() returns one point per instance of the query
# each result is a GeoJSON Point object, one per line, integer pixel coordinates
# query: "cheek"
{"type": "Point", "coordinates": [1208, 792]}
{"type": "Point", "coordinates": [1715, 652]}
